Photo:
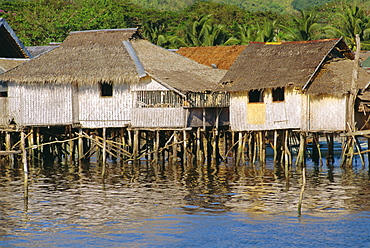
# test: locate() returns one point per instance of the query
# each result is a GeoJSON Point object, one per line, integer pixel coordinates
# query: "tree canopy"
{"type": "Point", "coordinates": [204, 23]}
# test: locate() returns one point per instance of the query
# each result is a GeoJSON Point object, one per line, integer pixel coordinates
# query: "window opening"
{"type": "Point", "coordinates": [106, 89]}
{"type": "Point", "coordinates": [256, 96]}
{"type": "Point", "coordinates": [278, 95]}
{"type": "Point", "coordinates": [3, 89]}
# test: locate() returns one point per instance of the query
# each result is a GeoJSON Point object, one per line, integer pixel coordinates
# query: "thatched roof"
{"type": "Point", "coordinates": [117, 56]}
{"type": "Point", "coordinates": [10, 45]}
{"type": "Point", "coordinates": [220, 56]}
{"type": "Point", "coordinates": [335, 77]}
{"type": "Point", "coordinates": [7, 64]}
{"type": "Point", "coordinates": [272, 65]}
{"type": "Point", "coordinates": [86, 57]}
{"type": "Point", "coordinates": [175, 70]}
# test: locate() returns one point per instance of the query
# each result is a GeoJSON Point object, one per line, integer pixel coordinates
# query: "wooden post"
{"type": "Point", "coordinates": [240, 148]}
{"type": "Point", "coordinates": [330, 143]}
{"type": "Point", "coordinates": [302, 150]}
{"type": "Point", "coordinates": [123, 141]}
{"type": "Point", "coordinates": [156, 148]}
{"type": "Point", "coordinates": [245, 137]}
{"type": "Point", "coordinates": [174, 147]}
{"type": "Point", "coordinates": [24, 161]}
{"type": "Point", "coordinates": [80, 145]}
{"type": "Point", "coordinates": [302, 190]}
{"type": "Point", "coordinates": [104, 155]}
{"type": "Point", "coordinates": [199, 149]}
{"type": "Point", "coordinates": [136, 144]}
{"type": "Point", "coordinates": [263, 147]}
{"type": "Point", "coordinates": [354, 88]}
{"type": "Point", "coordinates": [8, 144]}
{"type": "Point", "coordinates": [184, 159]}
{"type": "Point", "coordinates": [214, 147]}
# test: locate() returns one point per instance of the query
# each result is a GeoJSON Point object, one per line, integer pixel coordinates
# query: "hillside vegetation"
{"type": "Point", "coordinates": [39, 22]}
{"type": "Point", "coordinates": [251, 5]}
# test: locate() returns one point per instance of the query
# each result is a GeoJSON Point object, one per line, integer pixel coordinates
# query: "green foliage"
{"type": "Point", "coordinates": [353, 20]}
{"type": "Point", "coordinates": [38, 22]}
{"type": "Point", "coordinates": [308, 4]}
{"type": "Point", "coordinates": [305, 27]}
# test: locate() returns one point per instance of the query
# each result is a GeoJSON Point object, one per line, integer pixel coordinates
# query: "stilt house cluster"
{"type": "Point", "coordinates": [115, 79]}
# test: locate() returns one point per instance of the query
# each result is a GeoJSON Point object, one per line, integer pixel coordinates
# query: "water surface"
{"type": "Point", "coordinates": [171, 206]}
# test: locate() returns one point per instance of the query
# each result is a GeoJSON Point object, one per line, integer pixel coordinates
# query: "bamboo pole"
{"type": "Point", "coordinates": [184, 159]}
{"type": "Point", "coordinates": [240, 144]}
{"type": "Point", "coordinates": [302, 190]}
{"type": "Point", "coordinates": [80, 144]}
{"type": "Point", "coordinates": [302, 150]}
{"type": "Point", "coordinates": [25, 166]}
{"type": "Point", "coordinates": [104, 152]}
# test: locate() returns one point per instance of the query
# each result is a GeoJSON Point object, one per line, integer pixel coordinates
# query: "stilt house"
{"type": "Point", "coordinates": [294, 85]}
{"type": "Point", "coordinates": [112, 78]}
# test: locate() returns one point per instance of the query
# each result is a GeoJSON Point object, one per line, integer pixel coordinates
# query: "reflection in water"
{"type": "Point", "coordinates": [142, 205]}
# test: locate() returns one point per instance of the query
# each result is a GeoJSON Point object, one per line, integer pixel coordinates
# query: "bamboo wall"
{"type": "Point", "coordinates": [97, 111]}
{"type": "Point", "coordinates": [40, 104]}
{"type": "Point", "coordinates": [327, 113]}
{"type": "Point", "coordinates": [158, 117]}
{"type": "Point", "coordinates": [4, 111]}
{"type": "Point", "coordinates": [268, 115]}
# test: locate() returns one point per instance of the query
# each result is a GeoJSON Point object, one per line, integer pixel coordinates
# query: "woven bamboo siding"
{"type": "Point", "coordinates": [158, 117]}
{"type": "Point", "coordinates": [96, 111]}
{"type": "Point", "coordinates": [41, 104]}
{"type": "Point", "coordinates": [4, 112]}
{"type": "Point", "coordinates": [327, 113]}
{"type": "Point", "coordinates": [268, 115]}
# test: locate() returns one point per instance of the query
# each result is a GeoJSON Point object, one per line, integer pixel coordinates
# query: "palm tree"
{"type": "Point", "coordinates": [354, 20]}
{"type": "Point", "coordinates": [203, 32]}
{"type": "Point", "coordinates": [246, 33]}
{"type": "Point", "coordinates": [267, 32]}
{"type": "Point", "coordinates": [305, 27]}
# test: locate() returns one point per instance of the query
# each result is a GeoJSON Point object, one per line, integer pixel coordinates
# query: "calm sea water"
{"type": "Point", "coordinates": [146, 206]}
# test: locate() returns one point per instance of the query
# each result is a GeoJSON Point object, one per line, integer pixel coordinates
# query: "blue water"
{"type": "Point", "coordinates": [244, 206]}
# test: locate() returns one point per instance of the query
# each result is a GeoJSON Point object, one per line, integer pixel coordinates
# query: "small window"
{"type": "Point", "coordinates": [278, 95]}
{"type": "Point", "coordinates": [256, 96]}
{"type": "Point", "coordinates": [3, 89]}
{"type": "Point", "coordinates": [106, 89]}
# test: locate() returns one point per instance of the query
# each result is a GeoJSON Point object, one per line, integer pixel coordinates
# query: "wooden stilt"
{"type": "Point", "coordinates": [240, 148]}
{"type": "Point", "coordinates": [263, 150]}
{"type": "Point", "coordinates": [174, 147]}
{"type": "Point", "coordinates": [156, 148]}
{"type": "Point", "coordinates": [8, 147]}
{"type": "Point", "coordinates": [136, 143]}
{"type": "Point", "coordinates": [24, 161]}
{"type": "Point", "coordinates": [245, 137]}
{"type": "Point", "coordinates": [80, 145]}
{"type": "Point", "coordinates": [250, 147]}
{"type": "Point", "coordinates": [199, 148]}
{"type": "Point", "coordinates": [104, 150]}
{"type": "Point", "coordinates": [302, 150]}
{"type": "Point", "coordinates": [184, 159]}
{"type": "Point", "coordinates": [302, 190]}
{"type": "Point", "coordinates": [214, 147]}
